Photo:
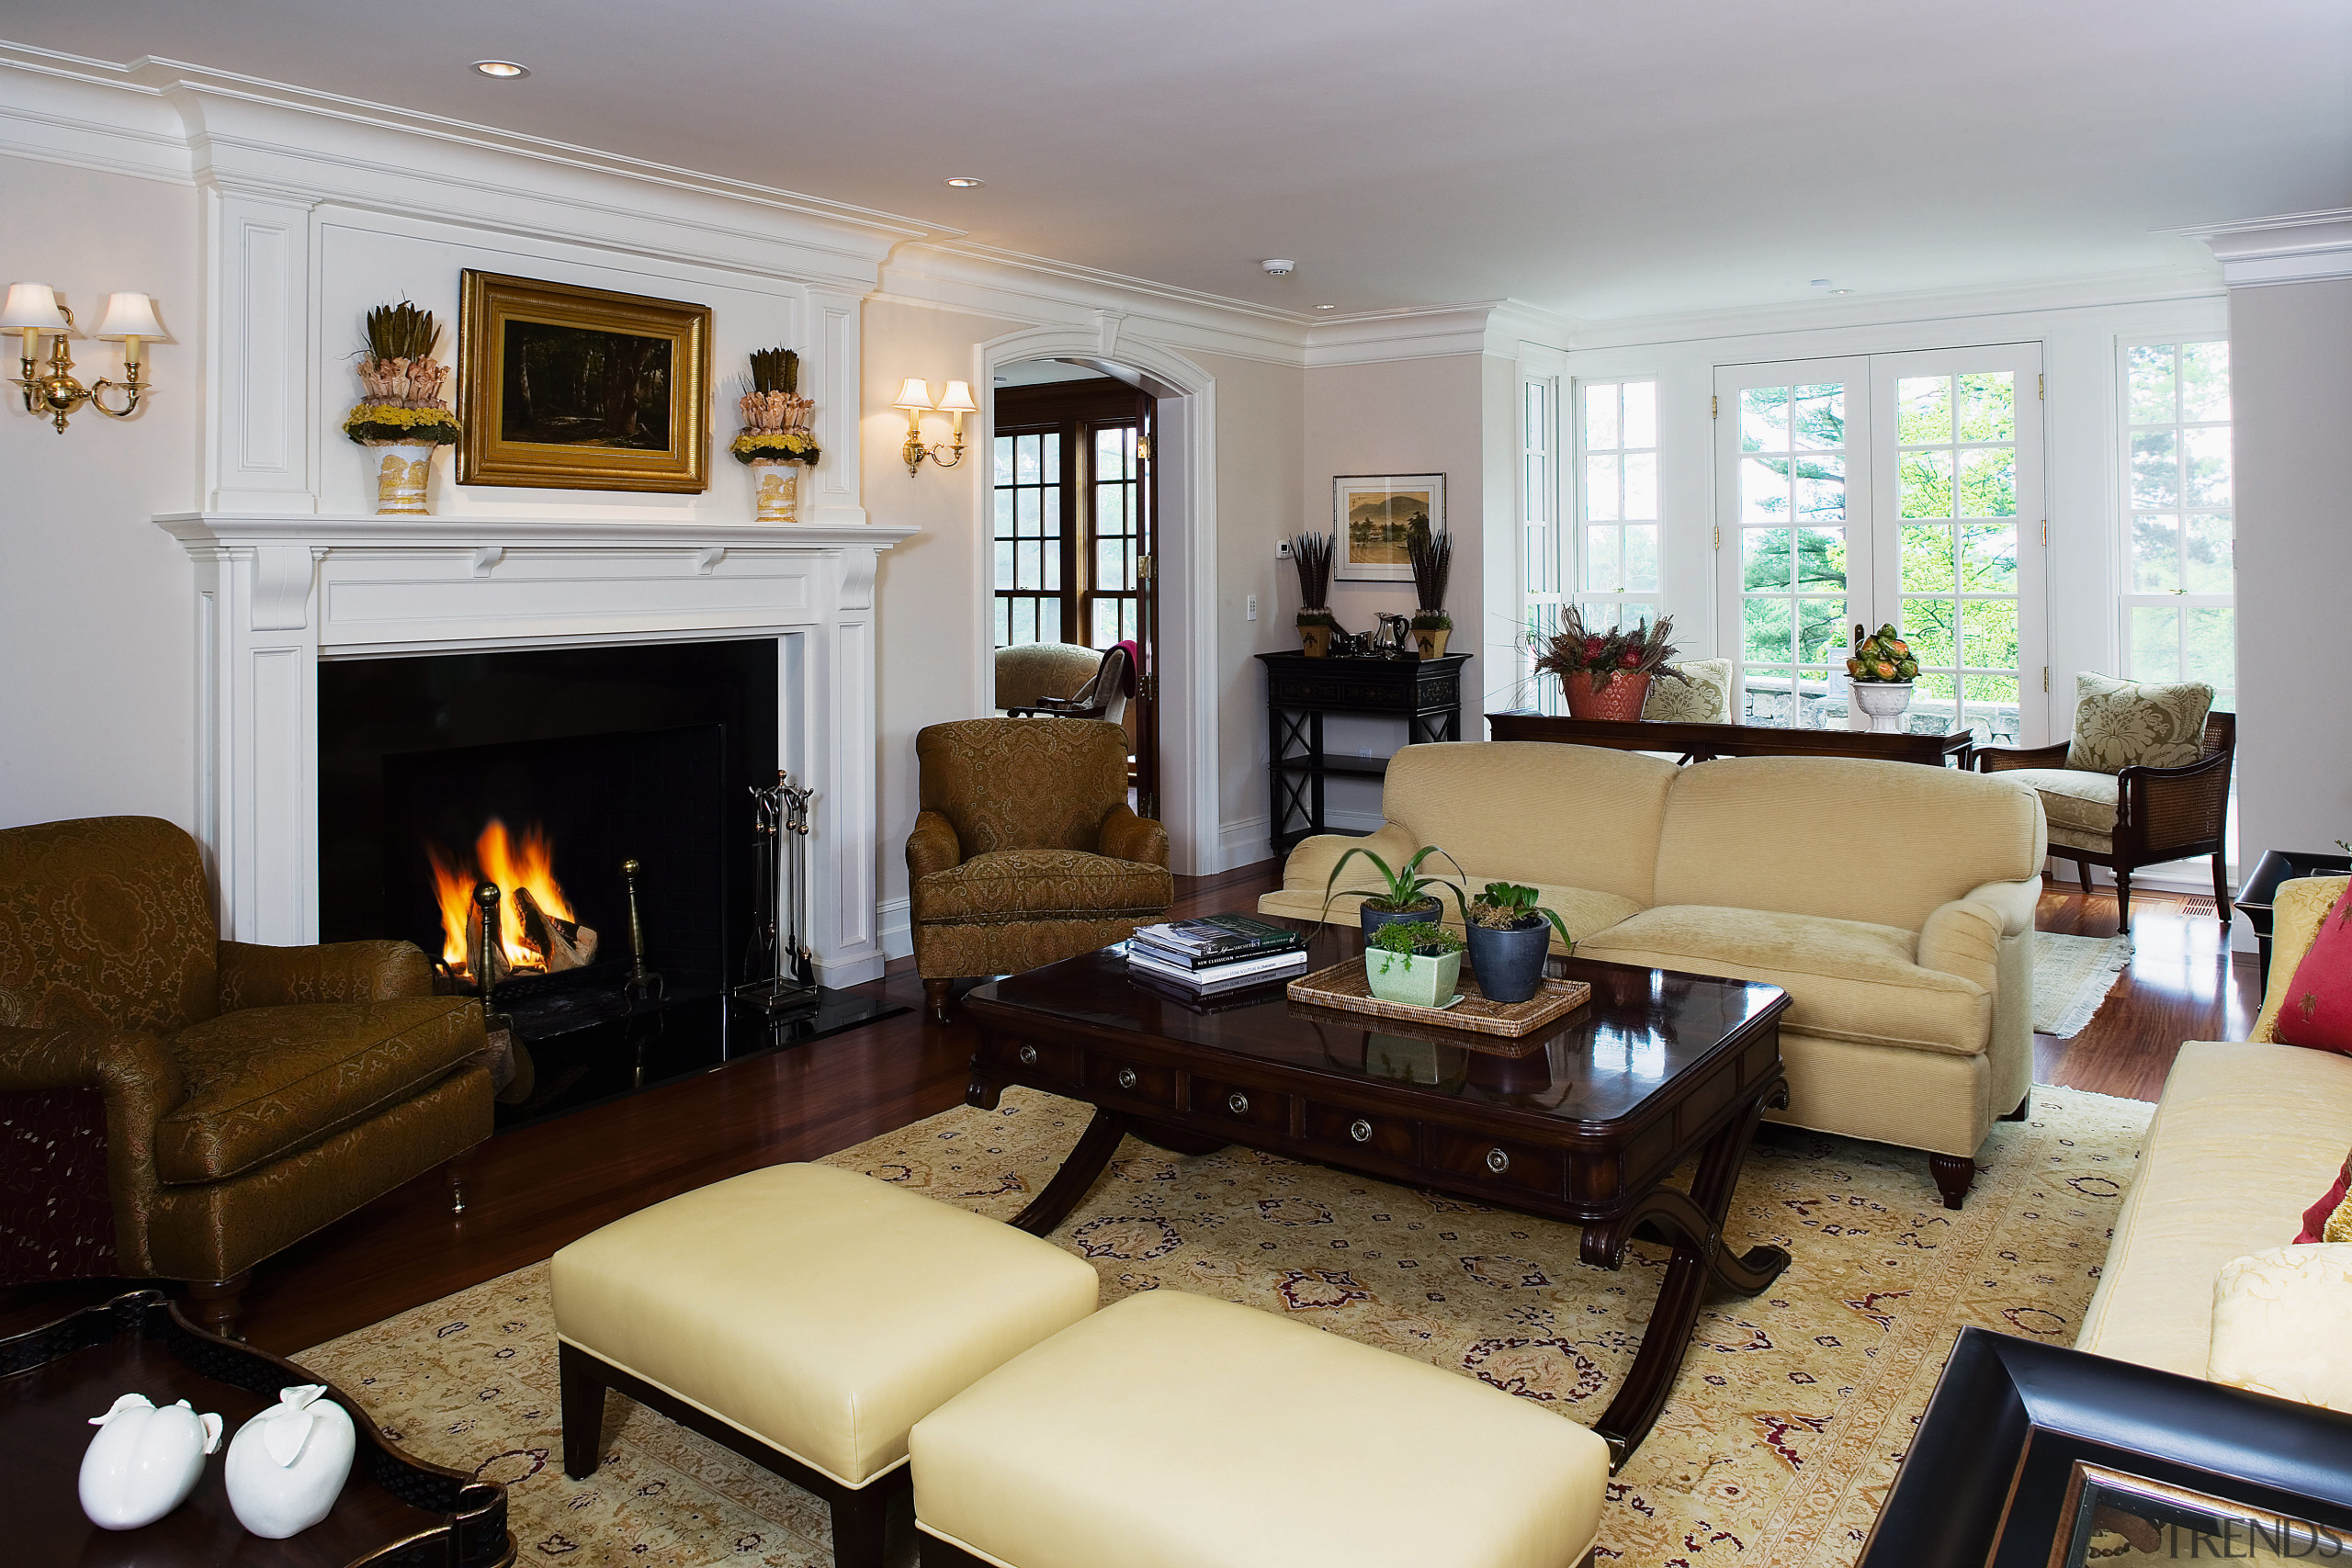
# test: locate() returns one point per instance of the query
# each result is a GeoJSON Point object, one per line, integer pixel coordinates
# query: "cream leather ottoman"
{"type": "Point", "coordinates": [806, 1317]}
{"type": "Point", "coordinates": [1173, 1431]}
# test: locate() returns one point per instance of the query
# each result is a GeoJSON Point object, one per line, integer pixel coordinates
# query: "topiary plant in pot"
{"type": "Point", "coordinates": [1415, 961]}
{"type": "Point", "coordinates": [1510, 933]}
{"type": "Point", "coordinates": [1403, 893]}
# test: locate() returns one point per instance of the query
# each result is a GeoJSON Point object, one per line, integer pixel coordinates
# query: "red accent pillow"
{"type": "Point", "coordinates": [2315, 1218]}
{"type": "Point", "coordinates": [2317, 1008]}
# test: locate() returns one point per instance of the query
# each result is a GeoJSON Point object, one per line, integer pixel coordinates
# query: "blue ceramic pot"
{"type": "Point", "coordinates": [1510, 963]}
{"type": "Point", "coordinates": [1374, 918]}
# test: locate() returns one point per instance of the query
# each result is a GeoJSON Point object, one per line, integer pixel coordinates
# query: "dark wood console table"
{"type": "Point", "coordinates": [1425, 693]}
{"type": "Point", "coordinates": [1705, 742]}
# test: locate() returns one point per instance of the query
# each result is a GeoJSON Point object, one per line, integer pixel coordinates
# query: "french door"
{"type": "Point", "coordinates": [1901, 488]}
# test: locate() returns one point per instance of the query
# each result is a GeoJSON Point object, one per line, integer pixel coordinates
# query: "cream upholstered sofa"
{"type": "Point", "coordinates": [2247, 1135]}
{"type": "Point", "coordinates": [1892, 902]}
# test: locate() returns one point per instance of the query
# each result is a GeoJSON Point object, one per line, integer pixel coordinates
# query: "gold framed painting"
{"type": "Point", "coordinates": [1371, 513]}
{"type": "Point", "coordinates": [580, 389]}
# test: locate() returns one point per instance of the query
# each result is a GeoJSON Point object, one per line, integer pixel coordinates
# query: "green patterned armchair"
{"type": "Point", "coordinates": [1026, 851]}
{"type": "Point", "coordinates": [174, 1106]}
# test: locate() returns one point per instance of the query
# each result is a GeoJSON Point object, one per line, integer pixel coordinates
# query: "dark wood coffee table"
{"type": "Point", "coordinates": [1584, 1122]}
{"type": "Point", "coordinates": [393, 1510]}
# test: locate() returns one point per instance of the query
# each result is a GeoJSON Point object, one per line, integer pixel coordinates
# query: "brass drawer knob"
{"type": "Point", "coordinates": [1360, 1130]}
{"type": "Point", "coordinates": [1237, 1102]}
{"type": "Point", "coordinates": [1124, 1077]}
{"type": "Point", "coordinates": [1028, 1055]}
{"type": "Point", "coordinates": [1498, 1161]}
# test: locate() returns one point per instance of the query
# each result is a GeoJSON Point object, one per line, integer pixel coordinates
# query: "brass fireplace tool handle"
{"type": "Point", "coordinates": [644, 984]}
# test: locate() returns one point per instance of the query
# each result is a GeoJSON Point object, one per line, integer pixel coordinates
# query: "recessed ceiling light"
{"type": "Point", "coordinates": [1821, 283]}
{"type": "Point", "coordinates": [1327, 307]}
{"type": "Point", "coordinates": [500, 68]}
{"type": "Point", "coordinates": [965, 182]}
{"type": "Point", "coordinates": [1841, 291]}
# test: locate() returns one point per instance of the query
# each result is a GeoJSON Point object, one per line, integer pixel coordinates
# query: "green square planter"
{"type": "Point", "coordinates": [1422, 979]}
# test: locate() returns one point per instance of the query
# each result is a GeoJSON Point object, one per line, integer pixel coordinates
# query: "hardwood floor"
{"type": "Point", "coordinates": [529, 1191]}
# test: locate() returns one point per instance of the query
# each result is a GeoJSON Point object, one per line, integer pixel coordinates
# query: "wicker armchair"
{"type": "Point", "coordinates": [174, 1106]}
{"type": "Point", "coordinates": [1026, 851]}
{"type": "Point", "coordinates": [2136, 818]}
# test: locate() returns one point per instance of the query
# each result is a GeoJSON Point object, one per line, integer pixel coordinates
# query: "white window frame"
{"type": "Point", "coordinates": [2126, 596]}
{"type": "Point", "coordinates": [1543, 565]}
{"type": "Point", "coordinates": [1621, 602]}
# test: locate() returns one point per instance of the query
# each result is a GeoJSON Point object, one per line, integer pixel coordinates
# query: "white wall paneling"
{"type": "Point", "coordinates": [279, 593]}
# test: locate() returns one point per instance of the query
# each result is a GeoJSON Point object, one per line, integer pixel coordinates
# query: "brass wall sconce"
{"type": "Point", "coordinates": [914, 396]}
{"type": "Point", "coordinates": [32, 310]}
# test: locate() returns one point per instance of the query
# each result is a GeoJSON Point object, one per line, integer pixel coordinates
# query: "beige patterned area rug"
{"type": "Point", "coordinates": [1777, 1447]}
{"type": "Point", "coordinates": [2072, 978]}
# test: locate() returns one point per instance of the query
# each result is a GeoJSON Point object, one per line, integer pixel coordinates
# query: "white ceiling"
{"type": "Point", "coordinates": [1598, 161]}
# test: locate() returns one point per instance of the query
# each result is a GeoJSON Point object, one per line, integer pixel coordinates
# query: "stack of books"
{"type": "Point", "coordinates": [1216, 954]}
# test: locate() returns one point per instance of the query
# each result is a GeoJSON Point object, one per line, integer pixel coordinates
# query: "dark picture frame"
{"type": "Point", "coordinates": [2019, 1437]}
{"type": "Point", "coordinates": [566, 387]}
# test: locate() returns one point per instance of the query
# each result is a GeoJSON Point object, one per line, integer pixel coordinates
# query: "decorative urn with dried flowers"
{"type": "Point", "coordinates": [1432, 556]}
{"type": "Point", "coordinates": [1606, 674]}
{"type": "Point", "coordinates": [776, 443]}
{"type": "Point", "coordinates": [1313, 555]}
{"type": "Point", "coordinates": [401, 418]}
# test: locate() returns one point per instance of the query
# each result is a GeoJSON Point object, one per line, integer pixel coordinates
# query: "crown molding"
{"type": "Point", "coordinates": [2296, 247]}
{"type": "Point", "coordinates": [2101, 292]}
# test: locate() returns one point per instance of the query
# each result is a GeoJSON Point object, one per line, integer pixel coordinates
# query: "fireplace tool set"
{"type": "Point", "coordinates": [779, 942]}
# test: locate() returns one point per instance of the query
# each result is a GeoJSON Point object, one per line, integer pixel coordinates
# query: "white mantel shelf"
{"type": "Point", "coordinates": [278, 593]}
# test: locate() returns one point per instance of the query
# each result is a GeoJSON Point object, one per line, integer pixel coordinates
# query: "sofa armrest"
{"type": "Point", "coordinates": [1965, 937]}
{"type": "Point", "coordinates": [137, 1080]}
{"type": "Point", "coordinates": [933, 846]}
{"type": "Point", "coordinates": [1311, 860]}
{"type": "Point", "coordinates": [2165, 809]}
{"type": "Point", "coordinates": [1128, 837]}
{"type": "Point", "coordinates": [256, 976]}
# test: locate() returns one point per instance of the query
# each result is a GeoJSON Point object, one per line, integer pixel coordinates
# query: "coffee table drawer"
{"type": "Point", "coordinates": [1222, 1101]}
{"type": "Point", "coordinates": [1499, 1160]}
{"type": "Point", "coordinates": [1032, 1058]}
{"type": "Point", "coordinates": [1343, 1127]}
{"type": "Point", "coordinates": [1132, 1081]}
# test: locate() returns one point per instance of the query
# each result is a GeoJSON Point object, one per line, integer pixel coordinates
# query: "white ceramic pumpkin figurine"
{"type": "Point", "coordinates": [144, 1462]}
{"type": "Point", "coordinates": [286, 1466]}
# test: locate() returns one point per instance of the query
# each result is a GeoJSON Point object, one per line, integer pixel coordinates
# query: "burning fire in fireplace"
{"type": "Point", "coordinates": [538, 932]}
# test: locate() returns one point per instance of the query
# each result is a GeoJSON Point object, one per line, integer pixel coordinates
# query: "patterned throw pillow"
{"type": "Point", "coordinates": [2326, 1220]}
{"type": "Point", "coordinates": [1702, 696]}
{"type": "Point", "coordinates": [2119, 724]}
{"type": "Point", "coordinates": [2317, 1008]}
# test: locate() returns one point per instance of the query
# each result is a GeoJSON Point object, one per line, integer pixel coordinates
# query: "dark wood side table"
{"type": "Point", "coordinates": [2261, 886]}
{"type": "Point", "coordinates": [1705, 742]}
{"type": "Point", "coordinates": [1573, 1122]}
{"type": "Point", "coordinates": [393, 1510]}
{"type": "Point", "coordinates": [1425, 693]}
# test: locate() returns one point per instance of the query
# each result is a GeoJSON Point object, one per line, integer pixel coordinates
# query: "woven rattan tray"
{"type": "Point", "coordinates": [1344, 987]}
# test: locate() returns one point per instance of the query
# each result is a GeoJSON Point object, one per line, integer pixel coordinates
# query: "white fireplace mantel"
{"type": "Point", "coordinates": [277, 593]}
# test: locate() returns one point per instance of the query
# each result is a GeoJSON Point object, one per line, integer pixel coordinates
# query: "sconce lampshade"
{"type": "Point", "coordinates": [957, 399]}
{"type": "Point", "coordinates": [130, 315]}
{"type": "Point", "coordinates": [913, 394]}
{"type": "Point", "coordinates": [32, 305]}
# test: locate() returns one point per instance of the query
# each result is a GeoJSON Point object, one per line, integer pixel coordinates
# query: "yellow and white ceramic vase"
{"type": "Point", "coordinates": [403, 468]}
{"type": "Point", "coordinates": [778, 488]}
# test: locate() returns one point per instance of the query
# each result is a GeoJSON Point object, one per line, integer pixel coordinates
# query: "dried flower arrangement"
{"type": "Point", "coordinates": [1431, 555]}
{"type": "Point", "coordinates": [402, 382]}
{"type": "Point", "coordinates": [1575, 650]}
{"type": "Point", "coordinates": [1314, 554]}
{"type": "Point", "coordinates": [775, 417]}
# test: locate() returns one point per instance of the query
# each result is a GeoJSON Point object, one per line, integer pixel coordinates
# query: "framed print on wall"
{"type": "Point", "coordinates": [580, 389]}
{"type": "Point", "coordinates": [1371, 513]}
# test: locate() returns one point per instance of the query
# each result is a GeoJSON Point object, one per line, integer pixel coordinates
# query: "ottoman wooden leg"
{"type": "Point", "coordinates": [861, 1521]}
{"type": "Point", "coordinates": [584, 1383]}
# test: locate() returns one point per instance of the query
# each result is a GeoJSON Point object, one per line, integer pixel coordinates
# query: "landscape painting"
{"type": "Point", "coordinates": [1373, 513]}
{"type": "Point", "coordinates": [567, 386]}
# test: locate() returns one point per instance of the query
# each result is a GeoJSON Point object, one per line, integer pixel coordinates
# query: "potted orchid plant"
{"type": "Point", "coordinates": [1403, 892]}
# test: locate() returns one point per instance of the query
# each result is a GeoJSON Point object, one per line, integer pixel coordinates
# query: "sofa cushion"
{"type": "Point", "coordinates": [1530, 811]}
{"type": "Point", "coordinates": [263, 1082]}
{"type": "Point", "coordinates": [2119, 724]}
{"type": "Point", "coordinates": [1841, 837]}
{"type": "Point", "coordinates": [1846, 979]}
{"type": "Point", "coordinates": [1581, 909]}
{"type": "Point", "coordinates": [2245, 1135]}
{"type": "Point", "coordinates": [2072, 799]}
{"type": "Point", "coordinates": [2278, 1325]}
{"type": "Point", "coordinates": [1042, 885]}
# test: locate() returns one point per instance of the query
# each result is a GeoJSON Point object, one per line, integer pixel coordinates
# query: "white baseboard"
{"type": "Point", "coordinates": [1250, 839]}
{"type": "Point", "coordinates": [895, 926]}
